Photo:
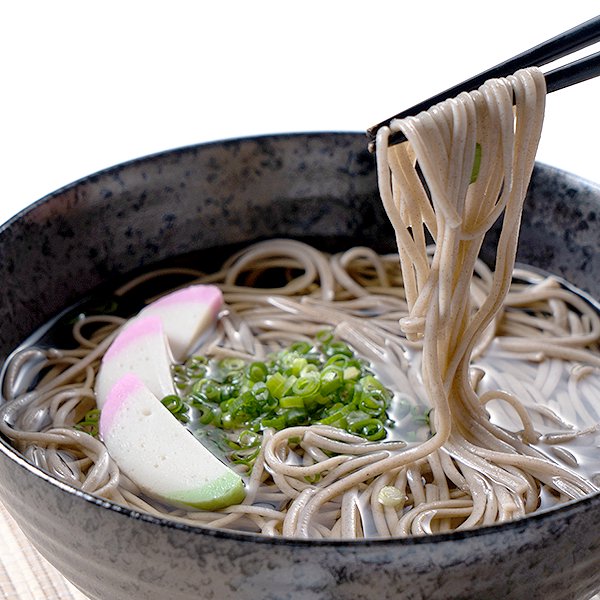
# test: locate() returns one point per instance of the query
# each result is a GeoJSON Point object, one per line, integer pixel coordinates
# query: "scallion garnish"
{"type": "Point", "coordinates": [476, 163]}
{"type": "Point", "coordinates": [300, 385]}
{"type": "Point", "coordinates": [177, 407]}
{"type": "Point", "coordinates": [90, 422]}
{"type": "Point", "coordinates": [303, 384]}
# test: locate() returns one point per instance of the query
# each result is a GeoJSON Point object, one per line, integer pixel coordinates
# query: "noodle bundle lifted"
{"type": "Point", "coordinates": [355, 394]}
{"type": "Point", "coordinates": [476, 154]}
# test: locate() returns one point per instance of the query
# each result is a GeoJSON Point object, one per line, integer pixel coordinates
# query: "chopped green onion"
{"type": "Point", "coordinates": [301, 347]}
{"type": "Point", "coordinates": [338, 348]}
{"type": "Point", "coordinates": [294, 416]}
{"type": "Point", "coordinates": [278, 422]}
{"type": "Point", "coordinates": [369, 428]}
{"type": "Point", "coordinates": [90, 422]}
{"type": "Point", "coordinates": [332, 378]}
{"type": "Point", "coordinates": [325, 336]}
{"type": "Point", "coordinates": [324, 383]}
{"type": "Point", "coordinates": [209, 389]}
{"type": "Point", "coordinates": [248, 439]}
{"type": "Point", "coordinates": [476, 163]}
{"type": "Point", "coordinates": [176, 406]}
{"type": "Point", "coordinates": [306, 386]}
{"type": "Point", "coordinates": [351, 372]}
{"type": "Point", "coordinates": [233, 364]}
{"type": "Point", "coordinates": [310, 369]}
{"type": "Point", "coordinates": [291, 402]}
{"type": "Point", "coordinates": [257, 371]}
{"type": "Point", "coordinates": [390, 495]}
{"type": "Point", "coordinates": [337, 360]}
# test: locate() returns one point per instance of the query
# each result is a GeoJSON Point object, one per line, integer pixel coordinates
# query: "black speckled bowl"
{"type": "Point", "coordinates": [322, 185]}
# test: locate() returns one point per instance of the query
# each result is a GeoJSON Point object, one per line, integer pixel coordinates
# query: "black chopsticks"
{"type": "Point", "coordinates": [557, 47]}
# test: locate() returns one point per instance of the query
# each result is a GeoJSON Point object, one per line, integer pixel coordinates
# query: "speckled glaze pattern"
{"type": "Point", "coordinates": [322, 185]}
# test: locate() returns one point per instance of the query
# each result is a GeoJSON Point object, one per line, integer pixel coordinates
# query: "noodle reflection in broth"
{"type": "Point", "coordinates": [507, 367]}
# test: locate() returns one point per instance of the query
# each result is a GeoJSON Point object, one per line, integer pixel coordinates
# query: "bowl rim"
{"type": "Point", "coordinates": [565, 510]}
{"type": "Point", "coordinates": [159, 154]}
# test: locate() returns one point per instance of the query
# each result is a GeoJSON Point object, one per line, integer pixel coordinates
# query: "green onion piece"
{"type": "Point", "coordinates": [173, 403]}
{"type": "Point", "coordinates": [338, 348]}
{"type": "Point", "coordinates": [476, 163]}
{"type": "Point", "coordinates": [390, 495]}
{"type": "Point", "coordinates": [93, 414]}
{"type": "Point", "coordinates": [196, 367]}
{"type": "Point", "coordinates": [371, 429]}
{"type": "Point", "coordinates": [297, 365]}
{"type": "Point", "coordinates": [289, 384]}
{"type": "Point", "coordinates": [207, 414]}
{"type": "Point", "coordinates": [373, 402]}
{"type": "Point", "coordinates": [257, 371]}
{"type": "Point", "coordinates": [210, 389]}
{"type": "Point", "coordinates": [291, 402]}
{"type": "Point", "coordinates": [278, 422]}
{"type": "Point", "coordinates": [310, 369]}
{"type": "Point", "coordinates": [337, 415]}
{"type": "Point", "coordinates": [276, 384]}
{"type": "Point", "coordinates": [370, 383]}
{"type": "Point", "coordinates": [261, 393]}
{"type": "Point", "coordinates": [301, 347]}
{"type": "Point", "coordinates": [306, 386]}
{"type": "Point", "coordinates": [248, 439]}
{"type": "Point", "coordinates": [332, 378]}
{"type": "Point", "coordinates": [90, 422]}
{"type": "Point", "coordinates": [176, 406]}
{"type": "Point", "coordinates": [294, 416]}
{"type": "Point", "coordinates": [324, 336]}
{"type": "Point", "coordinates": [337, 360]}
{"type": "Point", "coordinates": [232, 363]}
{"type": "Point", "coordinates": [424, 417]}
{"type": "Point", "coordinates": [245, 456]}
{"type": "Point", "coordinates": [351, 372]}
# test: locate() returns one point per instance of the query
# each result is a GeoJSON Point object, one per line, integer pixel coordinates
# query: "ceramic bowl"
{"type": "Point", "coordinates": [317, 186]}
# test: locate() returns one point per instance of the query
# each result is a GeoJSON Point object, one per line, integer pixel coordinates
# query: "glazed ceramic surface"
{"type": "Point", "coordinates": [318, 186]}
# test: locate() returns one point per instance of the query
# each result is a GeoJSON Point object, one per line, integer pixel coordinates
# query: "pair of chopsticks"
{"type": "Point", "coordinates": [570, 41]}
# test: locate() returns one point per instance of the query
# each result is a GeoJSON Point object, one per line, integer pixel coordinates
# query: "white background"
{"type": "Point", "coordinates": [85, 85]}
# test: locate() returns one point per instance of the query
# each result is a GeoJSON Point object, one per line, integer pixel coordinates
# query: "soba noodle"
{"type": "Point", "coordinates": [508, 366]}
